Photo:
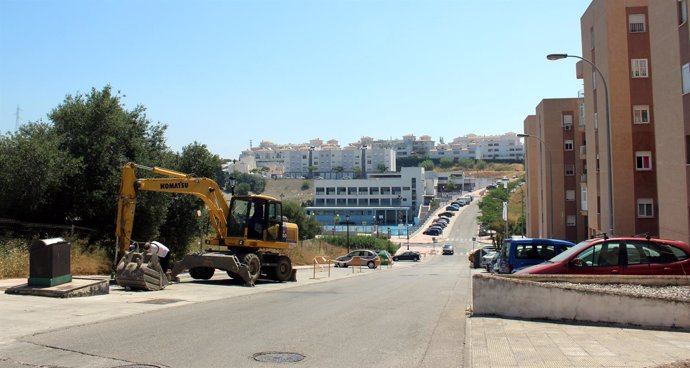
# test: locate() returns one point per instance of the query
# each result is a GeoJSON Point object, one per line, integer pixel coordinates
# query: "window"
{"type": "Point", "coordinates": [643, 160]}
{"type": "Point", "coordinates": [640, 252]}
{"type": "Point", "coordinates": [570, 221]}
{"type": "Point", "coordinates": [569, 195]}
{"type": "Point", "coordinates": [601, 255]}
{"type": "Point", "coordinates": [636, 23]}
{"type": "Point", "coordinates": [639, 68]}
{"type": "Point", "coordinates": [569, 170]}
{"type": "Point", "coordinates": [685, 74]}
{"type": "Point", "coordinates": [568, 145]}
{"type": "Point", "coordinates": [534, 251]}
{"type": "Point", "coordinates": [682, 11]}
{"type": "Point", "coordinates": [567, 120]}
{"type": "Point", "coordinates": [596, 120]}
{"type": "Point", "coordinates": [641, 114]}
{"type": "Point", "coordinates": [645, 207]}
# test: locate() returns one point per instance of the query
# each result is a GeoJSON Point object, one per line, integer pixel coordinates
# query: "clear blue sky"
{"type": "Point", "coordinates": [223, 73]}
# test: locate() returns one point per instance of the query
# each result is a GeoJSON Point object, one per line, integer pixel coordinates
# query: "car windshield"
{"type": "Point", "coordinates": [570, 251]}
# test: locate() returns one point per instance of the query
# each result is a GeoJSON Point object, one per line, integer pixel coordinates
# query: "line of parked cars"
{"type": "Point", "coordinates": [610, 256]}
{"type": "Point", "coordinates": [437, 225]}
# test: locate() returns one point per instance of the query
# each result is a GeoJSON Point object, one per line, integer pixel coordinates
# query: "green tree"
{"type": "Point", "coordinates": [428, 165]}
{"type": "Point", "coordinates": [338, 170]}
{"type": "Point", "coordinates": [311, 170]}
{"type": "Point", "coordinates": [491, 207]}
{"type": "Point", "coordinates": [357, 171]}
{"type": "Point", "coordinates": [254, 183]}
{"type": "Point", "coordinates": [450, 186]}
{"type": "Point", "coordinates": [446, 162]}
{"type": "Point", "coordinates": [466, 163]}
{"type": "Point", "coordinates": [242, 189]}
{"type": "Point", "coordinates": [182, 223]}
{"type": "Point", "coordinates": [381, 168]}
{"type": "Point", "coordinates": [97, 131]}
{"type": "Point", "coordinates": [34, 172]}
{"type": "Point", "coordinates": [308, 226]}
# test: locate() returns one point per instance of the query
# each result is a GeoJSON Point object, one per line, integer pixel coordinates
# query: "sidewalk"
{"type": "Point", "coordinates": [501, 342]}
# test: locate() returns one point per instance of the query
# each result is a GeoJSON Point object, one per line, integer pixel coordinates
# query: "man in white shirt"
{"type": "Point", "coordinates": [160, 250]}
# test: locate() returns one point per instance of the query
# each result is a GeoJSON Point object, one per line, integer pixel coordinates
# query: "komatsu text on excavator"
{"type": "Point", "coordinates": [249, 232]}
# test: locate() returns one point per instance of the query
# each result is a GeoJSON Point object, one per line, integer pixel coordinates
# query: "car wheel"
{"type": "Point", "coordinates": [371, 264]}
{"type": "Point", "coordinates": [416, 259]}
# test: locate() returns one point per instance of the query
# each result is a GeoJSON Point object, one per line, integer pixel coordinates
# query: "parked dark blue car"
{"type": "Point", "coordinates": [518, 253]}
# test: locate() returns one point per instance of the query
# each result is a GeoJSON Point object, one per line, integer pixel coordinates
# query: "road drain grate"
{"type": "Point", "coordinates": [278, 357]}
{"type": "Point", "coordinates": [161, 301]}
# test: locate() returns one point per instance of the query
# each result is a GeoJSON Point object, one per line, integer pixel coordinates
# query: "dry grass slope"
{"type": "Point", "coordinates": [290, 188]}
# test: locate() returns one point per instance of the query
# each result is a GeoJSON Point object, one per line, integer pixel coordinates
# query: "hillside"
{"type": "Point", "coordinates": [290, 188]}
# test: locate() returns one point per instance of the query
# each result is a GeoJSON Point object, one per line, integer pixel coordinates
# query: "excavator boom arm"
{"type": "Point", "coordinates": [203, 188]}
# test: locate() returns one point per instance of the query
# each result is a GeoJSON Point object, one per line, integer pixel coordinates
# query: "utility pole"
{"type": "Point", "coordinates": [17, 119]}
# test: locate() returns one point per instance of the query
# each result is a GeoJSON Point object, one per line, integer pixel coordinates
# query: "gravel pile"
{"type": "Point", "coordinates": [680, 293]}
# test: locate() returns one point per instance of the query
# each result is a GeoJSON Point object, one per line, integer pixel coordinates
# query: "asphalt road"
{"type": "Point", "coordinates": [408, 317]}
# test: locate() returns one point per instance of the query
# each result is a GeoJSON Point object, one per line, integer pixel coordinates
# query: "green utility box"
{"type": "Point", "coordinates": [49, 262]}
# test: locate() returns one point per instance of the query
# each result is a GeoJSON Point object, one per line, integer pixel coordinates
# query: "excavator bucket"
{"type": "Point", "coordinates": [140, 270]}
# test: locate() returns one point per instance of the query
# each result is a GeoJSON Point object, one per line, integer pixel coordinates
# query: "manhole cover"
{"type": "Point", "coordinates": [161, 301]}
{"type": "Point", "coordinates": [278, 357]}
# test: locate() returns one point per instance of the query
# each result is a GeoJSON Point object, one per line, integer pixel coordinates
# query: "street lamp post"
{"type": "Point", "coordinates": [407, 228]}
{"type": "Point", "coordinates": [548, 152]}
{"type": "Point", "coordinates": [347, 222]}
{"type": "Point", "coordinates": [608, 129]}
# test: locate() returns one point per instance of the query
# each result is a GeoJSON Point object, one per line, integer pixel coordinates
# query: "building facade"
{"type": "Point", "coordinates": [555, 170]}
{"type": "Point", "coordinates": [670, 62]}
{"type": "Point", "coordinates": [616, 38]}
{"type": "Point", "coordinates": [325, 160]}
{"type": "Point", "coordinates": [490, 147]}
{"type": "Point", "coordinates": [383, 198]}
{"type": "Point", "coordinates": [534, 167]}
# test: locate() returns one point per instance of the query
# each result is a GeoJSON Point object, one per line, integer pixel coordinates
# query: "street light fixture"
{"type": "Point", "coordinates": [347, 222]}
{"type": "Point", "coordinates": [608, 129]}
{"type": "Point", "coordinates": [548, 152]}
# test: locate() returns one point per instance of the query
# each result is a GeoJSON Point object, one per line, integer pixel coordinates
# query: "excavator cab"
{"type": "Point", "coordinates": [256, 218]}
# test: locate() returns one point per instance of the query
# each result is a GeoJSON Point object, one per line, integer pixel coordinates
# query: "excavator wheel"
{"type": "Point", "coordinates": [253, 264]}
{"type": "Point", "coordinates": [283, 269]}
{"type": "Point", "coordinates": [201, 273]}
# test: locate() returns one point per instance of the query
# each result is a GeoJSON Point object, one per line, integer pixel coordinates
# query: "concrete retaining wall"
{"type": "Point", "coordinates": [531, 297]}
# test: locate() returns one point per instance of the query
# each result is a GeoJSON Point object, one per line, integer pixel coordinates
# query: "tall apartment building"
{"type": "Point", "coordinates": [318, 159]}
{"type": "Point", "coordinates": [670, 63]}
{"type": "Point", "coordinates": [555, 170]}
{"type": "Point", "coordinates": [408, 146]}
{"type": "Point", "coordinates": [534, 166]}
{"type": "Point", "coordinates": [616, 38]}
{"type": "Point", "coordinates": [491, 147]}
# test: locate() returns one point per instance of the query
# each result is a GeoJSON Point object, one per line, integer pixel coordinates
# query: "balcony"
{"type": "Point", "coordinates": [583, 178]}
{"type": "Point", "coordinates": [583, 152]}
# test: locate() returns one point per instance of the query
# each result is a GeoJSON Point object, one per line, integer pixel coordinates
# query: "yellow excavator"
{"type": "Point", "coordinates": [249, 232]}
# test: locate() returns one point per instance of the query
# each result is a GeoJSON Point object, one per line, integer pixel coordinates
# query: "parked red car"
{"type": "Point", "coordinates": [623, 256]}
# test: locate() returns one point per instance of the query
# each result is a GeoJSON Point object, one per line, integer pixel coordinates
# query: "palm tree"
{"type": "Point", "coordinates": [337, 170]}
